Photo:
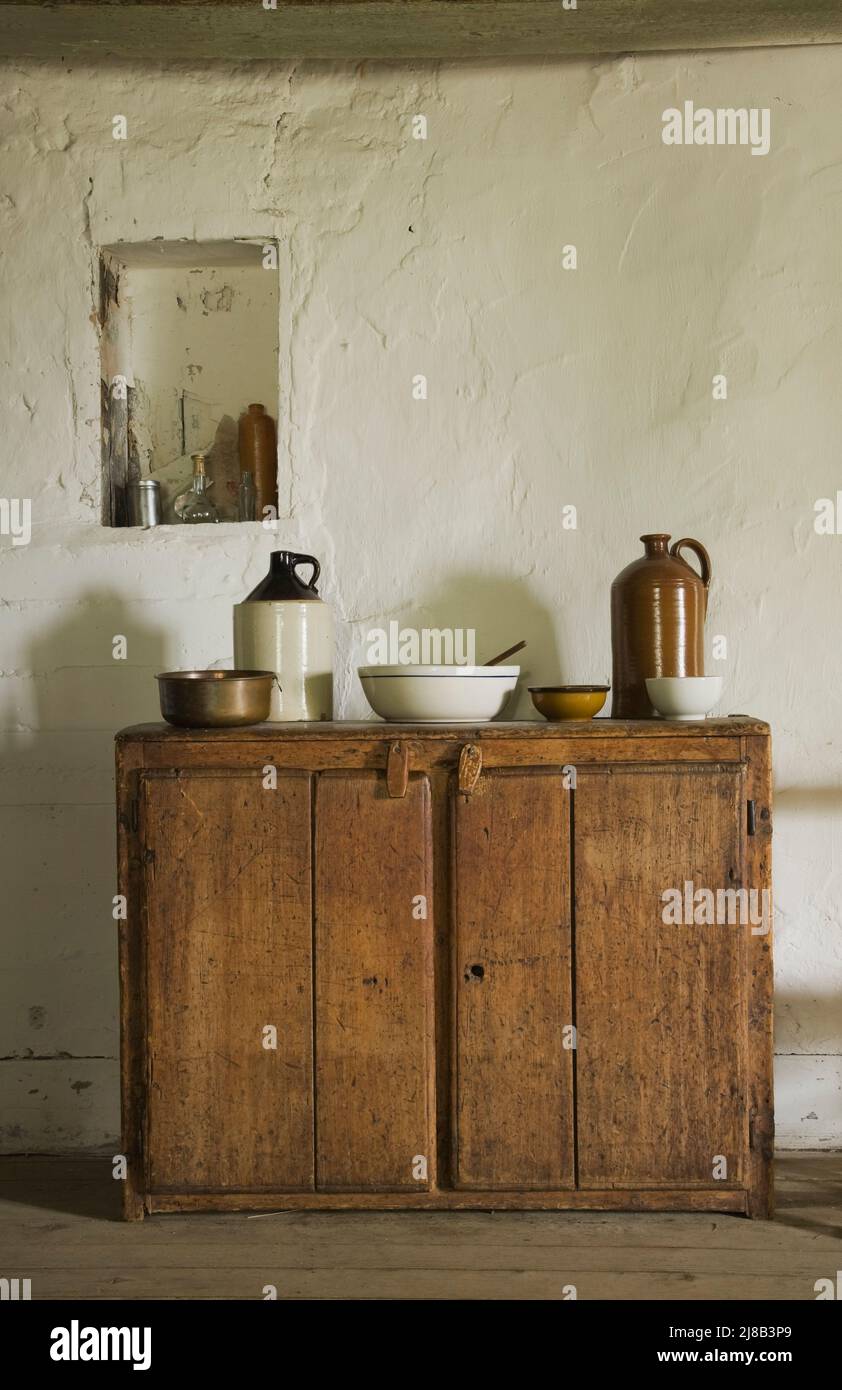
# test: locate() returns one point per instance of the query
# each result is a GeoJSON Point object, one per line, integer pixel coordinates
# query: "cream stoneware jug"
{"type": "Point", "coordinates": [285, 627]}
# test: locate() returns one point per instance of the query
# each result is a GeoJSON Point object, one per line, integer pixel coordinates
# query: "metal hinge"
{"type": "Point", "coordinates": [751, 817]}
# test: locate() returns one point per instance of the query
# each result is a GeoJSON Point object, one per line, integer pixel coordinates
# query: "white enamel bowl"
{"type": "Point", "coordinates": [438, 694]}
{"type": "Point", "coordinates": [684, 697]}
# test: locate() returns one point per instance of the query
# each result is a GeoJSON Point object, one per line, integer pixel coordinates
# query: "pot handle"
{"type": "Point", "coordinates": [297, 560]}
{"type": "Point", "coordinates": [700, 554]}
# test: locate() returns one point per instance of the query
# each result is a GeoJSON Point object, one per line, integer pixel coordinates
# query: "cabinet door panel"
{"type": "Point", "coordinates": [375, 1124]}
{"type": "Point", "coordinates": [228, 955]}
{"type": "Point", "coordinates": [660, 1009]}
{"type": "Point", "coordinates": [514, 1076]}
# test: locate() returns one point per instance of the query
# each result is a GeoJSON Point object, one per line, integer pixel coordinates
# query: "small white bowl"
{"type": "Point", "coordinates": [684, 697]}
{"type": "Point", "coordinates": [438, 694]}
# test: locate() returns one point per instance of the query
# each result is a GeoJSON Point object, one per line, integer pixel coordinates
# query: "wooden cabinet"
{"type": "Point", "coordinates": [513, 1073]}
{"type": "Point", "coordinates": [226, 890]}
{"type": "Point", "coordinates": [661, 1008]}
{"type": "Point", "coordinates": [374, 1030]}
{"type": "Point", "coordinates": [526, 965]}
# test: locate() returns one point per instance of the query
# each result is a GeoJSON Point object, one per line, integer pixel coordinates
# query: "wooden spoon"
{"type": "Point", "coordinates": [510, 651]}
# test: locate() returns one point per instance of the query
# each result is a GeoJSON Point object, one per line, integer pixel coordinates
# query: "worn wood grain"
{"type": "Point", "coordinates": [661, 1010]}
{"type": "Point", "coordinates": [132, 974]}
{"type": "Point", "coordinates": [372, 753]}
{"type": "Point", "coordinates": [375, 1103]}
{"type": "Point", "coordinates": [760, 984]}
{"type": "Point", "coordinates": [235, 29]}
{"type": "Point", "coordinates": [248, 1282]}
{"type": "Point", "coordinates": [59, 1227]}
{"type": "Point", "coordinates": [228, 957]}
{"type": "Point", "coordinates": [61, 1198]}
{"type": "Point", "coordinates": [328, 1256]}
{"type": "Point", "coordinates": [672, 1198]}
{"type": "Point", "coordinates": [440, 785]}
{"type": "Point", "coordinates": [344, 730]}
{"type": "Point", "coordinates": [674, 1065]}
{"type": "Point", "coordinates": [513, 1113]}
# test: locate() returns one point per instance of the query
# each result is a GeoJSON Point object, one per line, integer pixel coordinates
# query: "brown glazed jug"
{"type": "Point", "coordinates": [658, 606]}
{"type": "Point", "coordinates": [259, 456]}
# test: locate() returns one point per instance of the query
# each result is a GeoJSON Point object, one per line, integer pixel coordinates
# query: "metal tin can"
{"type": "Point", "coordinates": [144, 499]}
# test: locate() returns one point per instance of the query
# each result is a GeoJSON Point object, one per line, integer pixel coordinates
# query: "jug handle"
{"type": "Point", "coordinates": [297, 560]}
{"type": "Point", "coordinates": [700, 553]}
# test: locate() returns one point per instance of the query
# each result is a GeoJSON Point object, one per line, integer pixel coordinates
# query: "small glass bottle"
{"type": "Point", "coordinates": [247, 497]}
{"type": "Point", "coordinates": [198, 507]}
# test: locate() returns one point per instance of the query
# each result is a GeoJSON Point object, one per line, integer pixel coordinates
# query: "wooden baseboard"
{"type": "Point", "coordinates": [672, 1199]}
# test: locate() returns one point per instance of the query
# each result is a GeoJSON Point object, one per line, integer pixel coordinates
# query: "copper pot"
{"type": "Point", "coordinates": [658, 607]}
{"type": "Point", "coordinates": [215, 699]}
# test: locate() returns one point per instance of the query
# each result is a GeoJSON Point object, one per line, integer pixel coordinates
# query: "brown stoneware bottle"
{"type": "Point", "coordinates": [658, 606]}
{"type": "Point", "coordinates": [259, 455]}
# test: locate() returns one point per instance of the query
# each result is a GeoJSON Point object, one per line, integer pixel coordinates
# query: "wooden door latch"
{"type": "Point", "coordinates": [397, 769]}
{"type": "Point", "coordinates": [470, 767]}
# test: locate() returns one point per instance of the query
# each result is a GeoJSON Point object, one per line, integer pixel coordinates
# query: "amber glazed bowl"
{"type": "Point", "coordinates": [215, 699]}
{"type": "Point", "coordinates": [568, 701]}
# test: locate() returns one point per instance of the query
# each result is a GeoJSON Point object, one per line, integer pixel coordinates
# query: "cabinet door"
{"type": "Point", "coordinates": [228, 958]}
{"type": "Point", "coordinates": [375, 1121]}
{"type": "Point", "coordinates": [513, 1080]}
{"type": "Point", "coordinates": [661, 1009]}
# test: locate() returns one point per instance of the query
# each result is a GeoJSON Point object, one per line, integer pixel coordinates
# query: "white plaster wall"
{"type": "Point", "coordinates": [546, 387]}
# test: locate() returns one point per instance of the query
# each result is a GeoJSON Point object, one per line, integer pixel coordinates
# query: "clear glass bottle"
{"type": "Point", "coordinates": [247, 497]}
{"type": "Point", "coordinates": [198, 507]}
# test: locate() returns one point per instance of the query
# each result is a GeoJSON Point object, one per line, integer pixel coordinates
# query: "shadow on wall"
{"type": "Point", "coordinates": [810, 1023]}
{"type": "Point", "coordinates": [58, 994]}
{"type": "Point", "coordinates": [87, 679]}
{"type": "Point", "coordinates": [502, 611]}
{"type": "Point", "coordinates": [808, 1071]}
{"type": "Point", "coordinates": [825, 801]}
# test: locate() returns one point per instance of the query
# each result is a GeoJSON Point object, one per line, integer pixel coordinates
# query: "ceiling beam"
{"type": "Point", "coordinates": [402, 29]}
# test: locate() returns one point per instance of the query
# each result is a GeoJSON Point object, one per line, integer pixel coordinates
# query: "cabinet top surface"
{"type": "Point", "coordinates": [734, 725]}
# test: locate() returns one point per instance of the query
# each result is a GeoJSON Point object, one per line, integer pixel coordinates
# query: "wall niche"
{"type": "Point", "coordinates": [189, 338]}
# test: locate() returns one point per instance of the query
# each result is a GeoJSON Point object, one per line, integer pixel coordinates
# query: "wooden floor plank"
{"type": "Point", "coordinates": [423, 1284]}
{"type": "Point", "coordinates": [95, 1260]}
{"type": "Point", "coordinates": [60, 1227]}
{"type": "Point", "coordinates": [323, 1244]}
